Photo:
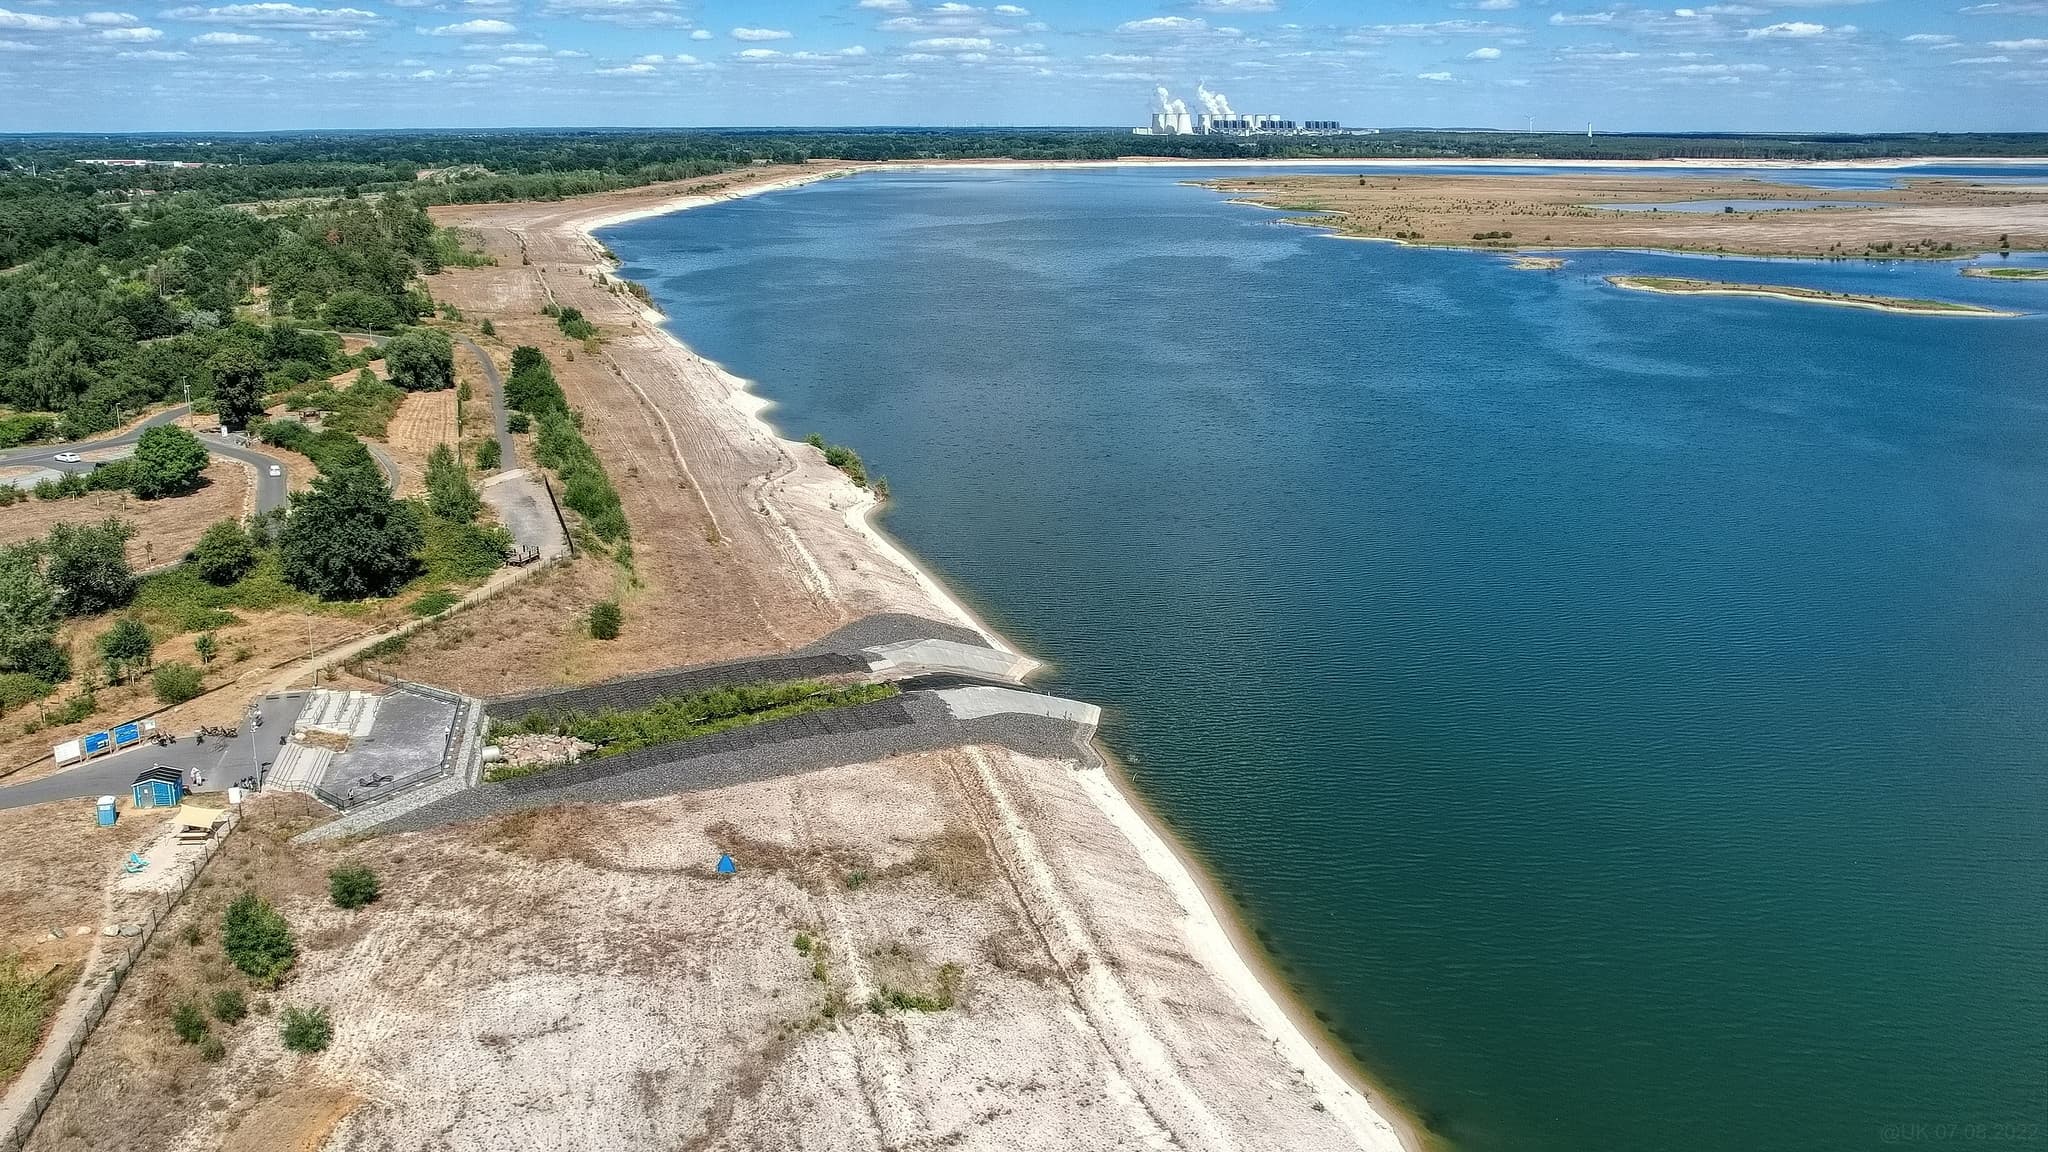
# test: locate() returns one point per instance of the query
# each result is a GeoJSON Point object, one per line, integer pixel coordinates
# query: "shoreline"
{"type": "Point", "coordinates": [1881, 164]}
{"type": "Point", "coordinates": [1770, 292]}
{"type": "Point", "coordinates": [1213, 929]}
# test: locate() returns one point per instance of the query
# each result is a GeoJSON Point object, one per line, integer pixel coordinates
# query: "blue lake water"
{"type": "Point", "coordinates": [1623, 717]}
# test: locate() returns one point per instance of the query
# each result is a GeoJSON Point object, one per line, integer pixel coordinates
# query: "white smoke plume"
{"type": "Point", "coordinates": [1169, 105]}
{"type": "Point", "coordinates": [1217, 103]}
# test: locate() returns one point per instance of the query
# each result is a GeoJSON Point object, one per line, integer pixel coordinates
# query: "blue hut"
{"type": "Point", "coordinates": [160, 787]}
{"type": "Point", "coordinates": [725, 865]}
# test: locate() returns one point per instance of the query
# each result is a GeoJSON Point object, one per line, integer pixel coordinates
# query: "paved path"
{"type": "Point", "coordinates": [385, 463]}
{"type": "Point", "coordinates": [218, 762]}
{"type": "Point", "coordinates": [271, 491]}
{"type": "Point", "coordinates": [45, 455]}
{"type": "Point", "coordinates": [506, 460]}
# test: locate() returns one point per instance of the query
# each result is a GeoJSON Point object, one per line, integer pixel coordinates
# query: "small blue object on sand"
{"type": "Point", "coordinates": [725, 865]}
{"type": "Point", "coordinates": [135, 863]}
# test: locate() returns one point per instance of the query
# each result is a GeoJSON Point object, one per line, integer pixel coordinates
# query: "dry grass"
{"type": "Point", "coordinates": [58, 865]}
{"type": "Point", "coordinates": [424, 420]}
{"type": "Point", "coordinates": [1550, 211]}
{"type": "Point", "coordinates": [165, 529]}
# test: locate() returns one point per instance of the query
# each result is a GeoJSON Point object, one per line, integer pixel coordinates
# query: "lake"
{"type": "Point", "coordinates": [1621, 716]}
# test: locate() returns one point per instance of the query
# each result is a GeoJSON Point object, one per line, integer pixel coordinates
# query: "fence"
{"type": "Point", "coordinates": [113, 976]}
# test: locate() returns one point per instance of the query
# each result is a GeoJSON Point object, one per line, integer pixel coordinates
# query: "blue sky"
{"type": "Point", "coordinates": [1851, 65]}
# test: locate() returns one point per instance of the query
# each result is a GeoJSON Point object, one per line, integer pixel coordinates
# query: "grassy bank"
{"type": "Point", "coordinates": [678, 718]}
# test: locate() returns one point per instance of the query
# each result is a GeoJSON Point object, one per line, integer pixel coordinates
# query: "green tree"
{"type": "Point", "coordinates": [175, 683]}
{"type": "Point", "coordinates": [449, 492]}
{"type": "Point", "coordinates": [206, 646]}
{"type": "Point", "coordinates": [224, 554]}
{"type": "Point", "coordinates": [257, 938]}
{"type": "Point", "coordinates": [237, 371]}
{"type": "Point", "coordinates": [489, 456]}
{"type": "Point", "coordinates": [168, 460]}
{"type": "Point", "coordinates": [421, 360]}
{"type": "Point", "coordinates": [347, 538]}
{"type": "Point", "coordinates": [28, 609]}
{"type": "Point", "coordinates": [605, 619]}
{"type": "Point", "coordinates": [89, 565]}
{"type": "Point", "coordinates": [126, 647]}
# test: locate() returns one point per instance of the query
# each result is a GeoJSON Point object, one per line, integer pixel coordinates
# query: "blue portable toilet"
{"type": "Point", "coordinates": [160, 787]}
{"type": "Point", "coordinates": [725, 865]}
{"type": "Point", "coordinates": [106, 812]}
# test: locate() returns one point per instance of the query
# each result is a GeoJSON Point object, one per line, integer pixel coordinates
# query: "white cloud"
{"type": "Point", "coordinates": [624, 13]}
{"type": "Point", "coordinates": [1235, 6]}
{"type": "Point", "coordinates": [228, 39]}
{"type": "Point", "coordinates": [2030, 44]}
{"type": "Point", "coordinates": [474, 28]}
{"type": "Point", "coordinates": [1983, 60]}
{"type": "Point", "coordinates": [953, 44]}
{"type": "Point", "coordinates": [1438, 77]}
{"type": "Point", "coordinates": [1011, 10]}
{"type": "Point", "coordinates": [884, 5]}
{"type": "Point", "coordinates": [1483, 54]}
{"type": "Point", "coordinates": [1581, 19]}
{"type": "Point", "coordinates": [628, 70]}
{"type": "Point", "coordinates": [1493, 5]}
{"type": "Point", "coordinates": [132, 35]}
{"type": "Point", "coordinates": [17, 46]}
{"type": "Point", "coordinates": [338, 35]}
{"type": "Point", "coordinates": [759, 54]}
{"type": "Point", "coordinates": [273, 14]}
{"type": "Point", "coordinates": [108, 19]}
{"type": "Point", "coordinates": [701, 34]}
{"type": "Point", "coordinates": [1790, 30]}
{"type": "Point", "coordinates": [1929, 38]}
{"type": "Point", "coordinates": [153, 54]}
{"type": "Point", "coordinates": [1165, 24]}
{"type": "Point", "coordinates": [755, 35]}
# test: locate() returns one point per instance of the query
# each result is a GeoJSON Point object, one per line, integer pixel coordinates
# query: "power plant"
{"type": "Point", "coordinates": [1172, 118]}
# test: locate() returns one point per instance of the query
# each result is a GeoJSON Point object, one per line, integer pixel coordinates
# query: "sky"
{"type": "Point", "coordinates": [1748, 65]}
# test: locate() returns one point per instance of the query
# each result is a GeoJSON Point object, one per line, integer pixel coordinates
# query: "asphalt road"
{"type": "Point", "coordinates": [45, 455]}
{"type": "Point", "coordinates": [271, 491]}
{"type": "Point", "coordinates": [506, 460]}
{"type": "Point", "coordinates": [214, 765]}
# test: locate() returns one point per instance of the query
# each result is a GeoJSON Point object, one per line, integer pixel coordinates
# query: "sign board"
{"type": "Point", "coordinates": [97, 742]}
{"type": "Point", "coordinates": [127, 734]}
{"type": "Point", "coordinates": [66, 752]}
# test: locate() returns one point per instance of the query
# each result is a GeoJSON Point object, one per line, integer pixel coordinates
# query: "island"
{"type": "Point", "coordinates": [1686, 286]}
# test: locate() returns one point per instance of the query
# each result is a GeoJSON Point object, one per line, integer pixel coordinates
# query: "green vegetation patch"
{"type": "Point", "coordinates": [677, 718]}
{"type": "Point", "coordinates": [26, 1001]}
{"type": "Point", "coordinates": [257, 939]}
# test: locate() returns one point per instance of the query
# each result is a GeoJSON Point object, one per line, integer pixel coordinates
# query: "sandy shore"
{"type": "Point", "coordinates": [1769, 292]}
{"type": "Point", "coordinates": [1211, 933]}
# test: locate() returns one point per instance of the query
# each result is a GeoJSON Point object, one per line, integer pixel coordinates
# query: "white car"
{"type": "Point", "coordinates": [276, 470]}
{"type": "Point", "coordinates": [67, 457]}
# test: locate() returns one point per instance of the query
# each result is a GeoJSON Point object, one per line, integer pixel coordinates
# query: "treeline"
{"type": "Point", "coordinates": [559, 444]}
{"type": "Point", "coordinates": [158, 305]}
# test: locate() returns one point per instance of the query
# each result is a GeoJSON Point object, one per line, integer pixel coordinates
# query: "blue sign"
{"type": "Point", "coordinates": [96, 743]}
{"type": "Point", "coordinates": [127, 734]}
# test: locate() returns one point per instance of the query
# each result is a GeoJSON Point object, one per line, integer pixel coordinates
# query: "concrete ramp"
{"type": "Point", "coordinates": [927, 657]}
{"type": "Point", "coordinates": [299, 768]}
{"type": "Point", "coordinates": [977, 702]}
{"type": "Point", "coordinates": [350, 714]}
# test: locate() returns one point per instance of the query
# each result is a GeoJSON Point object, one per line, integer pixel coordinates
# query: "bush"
{"type": "Point", "coordinates": [176, 682]}
{"type": "Point", "coordinates": [188, 1022]}
{"type": "Point", "coordinates": [421, 360]}
{"type": "Point", "coordinates": [89, 565]}
{"type": "Point", "coordinates": [605, 619]}
{"type": "Point", "coordinates": [42, 658]}
{"type": "Point", "coordinates": [352, 886]}
{"type": "Point", "coordinates": [229, 1005]}
{"type": "Point", "coordinates": [307, 1029]}
{"type": "Point", "coordinates": [489, 456]}
{"type": "Point", "coordinates": [257, 939]}
{"type": "Point", "coordinates": [518, 422]}
{"type": "Point", "coordinates": [434, 603]}
{"type": "Point", "coordinates": [449, 492]}
{"type": "Point", "coordinates": [211, 1049]}
{"type": "Point", "coordinates": [19, 688]}
{"type": "Point", "coordinates": [488, 328]}
{"type": "Point", "coordinates": [126, 646]}
{"type": "Point", "coordinates": [462, 552]}
{"type": "Point", "coordinates": [224, 554]}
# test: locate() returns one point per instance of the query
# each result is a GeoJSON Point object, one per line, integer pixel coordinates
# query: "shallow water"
{"type": "Point", "coordinates": [1620, 714]}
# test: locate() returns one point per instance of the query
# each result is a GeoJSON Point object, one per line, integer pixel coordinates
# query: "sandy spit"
{"type": "Point", "coordinates": [1212, 935]}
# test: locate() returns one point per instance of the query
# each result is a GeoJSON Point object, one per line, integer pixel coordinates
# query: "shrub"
{"type": "Point", "coordinates": [307, 1029]}
{"type": "Point", "coordinates": [487, 328]}
{"type": "Point", "coordinates": [211, 1049]}
{"type": "Point", "coordinates": [126, 646]}
{"type": "Point", "coordinates": [605, 619]}
{"type": "Point", "coordinates": [257, 939]}
{"type": "Point", "coordinates": [449, 492]}
{"type": "Point", "coordinates": [187, 1021]}
{"type": "Point", "coordinates": [88, 563]}
{"type": "Point", "coordinates": [489, 456]}
{"type": "Point", "coordinates": [421, 360]}
{"type": "Point", "coordinates": [176, 682]}
{"type": "Point", "coordinates": [434, 603]}
{"type": "Point", "coordinates": [18, 688]}
{"type": "Point", "coordinates": [518, 422]}
{"type": "Point", "coordinates": [224, 554]}
{"type": "Point", "coordinates": [352, 886]}
{"type": "Point", "coordinates": [229, 1005]}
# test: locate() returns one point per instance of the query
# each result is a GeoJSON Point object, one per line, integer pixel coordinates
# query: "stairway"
{"type": "Point", "coordinates": [299, 768]}
{"type": "Point", "coordinates": [350, 714]}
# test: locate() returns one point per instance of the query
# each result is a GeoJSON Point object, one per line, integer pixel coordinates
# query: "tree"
{"type": "Point", "coordinates": [489, 456]}
{"type": "Point", "coordinates": [28, 609]}
{"type": "Point", "coordinates": [175, 683]}
{"type": "Point", "coordinates": [449, 492]}
{"type": "Point", "coordinates": [206, 646]}
{"type": "Point", "coordinates": [421, 360]}
{"type": "Point", "coordinates": [168, 460]}
{"type": "Point", "coordinates": [237, 371]}
{"type": "Point", "coordinates": [126, 647]}
{"type": "Point", "coordinates": [347, 538]}
{"type": "Point", "coordinates": [89, 565]}
{"type": "Point", "coordinates": [224, 554]}
{"type": "Point", "coordinates": [605, 619]}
